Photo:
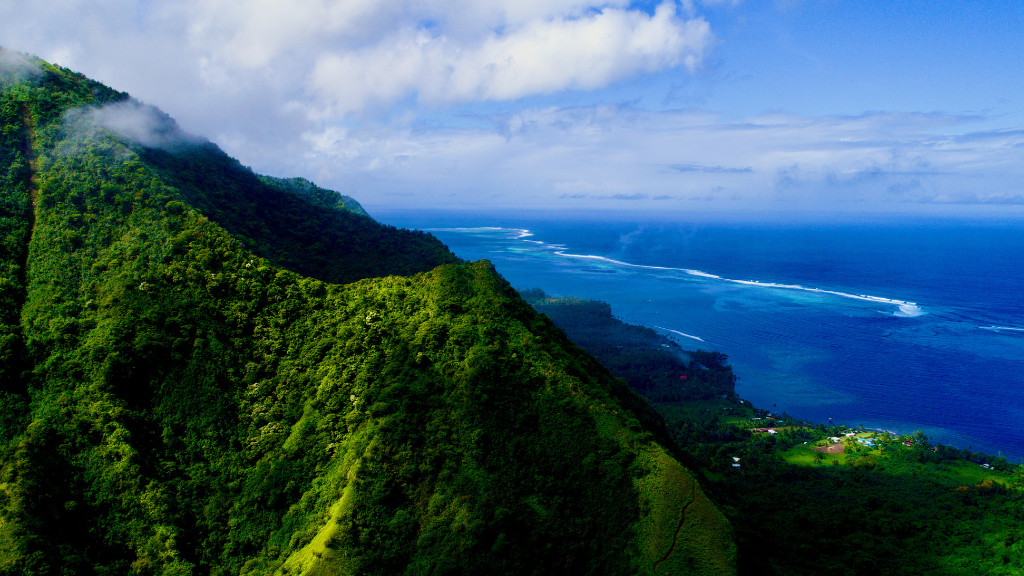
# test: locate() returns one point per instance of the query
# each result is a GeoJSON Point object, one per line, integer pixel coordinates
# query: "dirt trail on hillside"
{"type": "Point", "coordinates": [679, 529]}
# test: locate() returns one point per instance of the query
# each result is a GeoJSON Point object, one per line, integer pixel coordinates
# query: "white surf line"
{"type": "Point", "coordinates": [521, 233]}
{"type": "Point", "coordinates": [466, 229]}
{"type": "Point", "coordinates": [905, 307]}
{"type": "Point", "coordinates": [900, 303]}
{"type": "Point", "coordinates": [1001, 328]}
{"type": "Point", "coordinates": [908, 308]}
{"type": "Point", "coordinates": [680, 333]}
{"type": "Point", "coordinates": [619, 262]}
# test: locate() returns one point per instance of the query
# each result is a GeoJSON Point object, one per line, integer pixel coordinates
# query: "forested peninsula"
{"type": "Point", "coordinates": [808, 498]}
{"type": "Point", "coordinates": [206, 371]}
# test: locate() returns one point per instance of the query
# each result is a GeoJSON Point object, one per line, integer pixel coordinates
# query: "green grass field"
{"type": "Point", "coordinates": [892, 459]}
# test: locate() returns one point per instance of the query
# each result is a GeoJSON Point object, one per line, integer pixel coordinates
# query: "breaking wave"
{"type": "Point", "coordinates": [681, 333]}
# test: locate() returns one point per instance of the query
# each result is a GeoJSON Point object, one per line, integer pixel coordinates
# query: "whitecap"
{"type": "Point", "coordinates": [1002, 328]}
{"type": "Point", "coordinates": [909, 310]}
{"type": "Point", "coordinates": [701, 274]}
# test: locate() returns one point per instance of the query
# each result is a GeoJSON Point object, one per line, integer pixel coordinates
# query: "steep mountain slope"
{"type": "Point", "coordinates": [279, 220]}
{"type": "Point", "coordinates": [188, 389]}
{"type": "Point", "coordinates": [315, 194]}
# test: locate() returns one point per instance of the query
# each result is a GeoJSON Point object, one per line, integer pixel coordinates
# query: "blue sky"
{"type": "Point", "coordinates": [823, 58]}
{"type": "Point", "coordinates": [852, 57]}
{"type": "Point", "coordinates": [573, 104]}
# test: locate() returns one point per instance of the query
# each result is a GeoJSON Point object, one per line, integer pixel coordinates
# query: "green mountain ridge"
{"type": "Point", "coordinates": [315, 194]}
{"type": "Point", "coordinates": [205, 371]}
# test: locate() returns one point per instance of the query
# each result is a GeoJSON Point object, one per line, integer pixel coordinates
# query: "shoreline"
{"type": "Point", "coordinates": [800, 383]}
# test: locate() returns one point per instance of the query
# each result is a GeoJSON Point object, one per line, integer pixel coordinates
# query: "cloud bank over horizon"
{"type": "Point", "coordinates": [615, 157]}
{"type": "Point", "coordinates": [563, 103]}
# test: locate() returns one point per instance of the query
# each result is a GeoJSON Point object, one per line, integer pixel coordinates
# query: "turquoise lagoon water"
{"type": "Point", "coordinates": [896, 325]}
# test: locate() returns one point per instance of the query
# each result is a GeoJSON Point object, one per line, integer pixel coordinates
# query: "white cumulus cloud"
{"type": "Point", "coordinates": [256, 74]}
{"type": "Point", "coordinates": [540, 57]}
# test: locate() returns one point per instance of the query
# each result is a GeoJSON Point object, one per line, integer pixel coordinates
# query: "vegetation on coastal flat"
{"type": "Point", "coordinates": [873, 503]}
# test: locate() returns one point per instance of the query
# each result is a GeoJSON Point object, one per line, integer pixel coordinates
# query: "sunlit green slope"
{"type": "Point", "coordinates": [206, 372]}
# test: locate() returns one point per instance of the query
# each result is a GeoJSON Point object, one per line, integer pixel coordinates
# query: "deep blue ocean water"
{"type": "Point", "coordinates": [898, 325]}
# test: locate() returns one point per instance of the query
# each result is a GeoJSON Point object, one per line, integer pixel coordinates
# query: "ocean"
{"type": "Point", "coordinates": [893, 324]}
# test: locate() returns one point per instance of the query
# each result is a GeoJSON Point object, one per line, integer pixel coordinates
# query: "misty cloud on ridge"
{"type": "Point", "coordinates": [134, 122]}
{"type": "Point", "coordinates": [142, 124]}
{"type": "Point", "coordinates": [16, 66]}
